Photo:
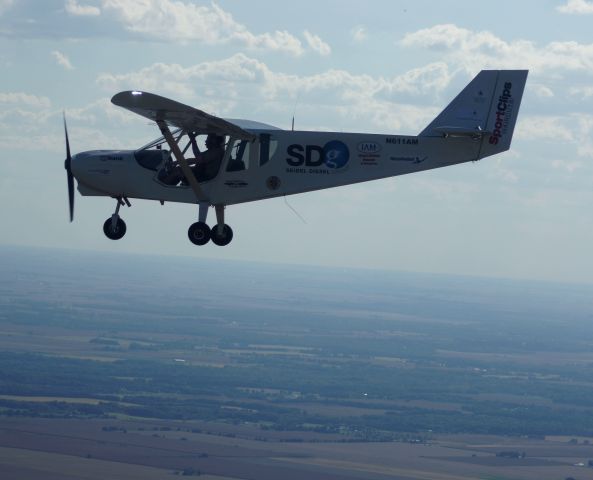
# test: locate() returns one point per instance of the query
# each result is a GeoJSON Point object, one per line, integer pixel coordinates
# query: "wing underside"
{"type": "Point", "coordinates": [158, 109]}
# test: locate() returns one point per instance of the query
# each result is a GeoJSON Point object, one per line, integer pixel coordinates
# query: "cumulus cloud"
{"type": "Point", "coordinates": [74, 8]}
{"type": "Point", "coordinates": [224, 84]}
{"type": "Point", "coordinates": [29, 122]}
{"type": "Point", "coordinates": [474, 50]}
{"type": "Point", "coordinates": [317, 44]}
{"type": "Point", "coordinates": [28, 115]}
{"type": "Point", "coordinates": [542, 91]}
{"type": "Point", "coordinates": [62, 60]}
{"type": "Point", "coordinates": [570, 128]}
{"type": "Point", "coordinates": [545, 127]}
{"type": "Point", "coordinates": [171, 20]}
{"type": "Point", "coordinates": [582, 92]}
{"type": "Point", "coordinates": [179, 21]}
{"type": "Point", "coordinates": [5, 5]}
{"type": "Point", "coordinates": [242, 69]}
{"type": "Point", "coordinates": [20, 99]}
{"type": "Point", "coordinates": [576, 7]}
{"type": "Point", "coordinates": [569, 165]}
{"type": "Point", "coordinates": [359, 33]}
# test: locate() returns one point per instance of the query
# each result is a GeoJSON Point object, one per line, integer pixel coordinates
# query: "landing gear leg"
{"type": "Point", "coordinates": [199, 233]}
{"type": "Point", "coordinates": [221, 233]}
{"type": "Point", "coordinates": [114, 227]}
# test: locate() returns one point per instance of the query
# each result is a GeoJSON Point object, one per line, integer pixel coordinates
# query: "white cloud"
{"type": "Point", "coordinates": [359, 33]}
{"type": "Point", "coordinates": [569, 166]}
{"type": "Point", "coordinates": [381, 103]}
{"type": "Point", "coordinates": [578, 7]}
{"type": "Point", "coordinates": [475, 50]}
{"type": "Point", "coordinates": [38, 126]}
{"type": "Point", "coordinates": [540, 127]}
{"type": "Point", "coordinates": [584, 131]}
{"type": "Point", "coordinates": [5, 5]}
{"type": "Point", "coordinates": [571, 128]}
{"type": "Point", "coordinates": [76, 9]}
{"type": "Point", "coordinates": [62, 60]}
{"type": "Point", "coordinates": [449, 190]}
{"type": "Point", "coordinates": [583, 92]}
{"type": "Point", "coordinates": [315, 42]}
{"type": "Point", "coordinates": [542, 91]}
{"type": "Point", "coordinates": [504, 173]}
{"type": "Point", "coordinates": [24, 99]}
{"type": "Point", "coordinates": [431, 78]}
{"type": "Point", "coordinates": [171, 20]}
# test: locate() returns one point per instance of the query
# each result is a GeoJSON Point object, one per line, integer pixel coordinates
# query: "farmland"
{"type": "Point", "coordinates": [275, 371]}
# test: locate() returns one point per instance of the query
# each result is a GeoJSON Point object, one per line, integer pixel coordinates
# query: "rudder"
{"type": "Point", "coordinates": [486, 109]}
{"type": "Point", "coordinates": [503, 112]}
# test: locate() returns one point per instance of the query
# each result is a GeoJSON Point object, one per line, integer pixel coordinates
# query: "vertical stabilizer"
{"type": "Point", "coordinates": [503, 112]}
{"type": "Point", "coordinates": [469, 110]}
{"type": "Point", "coordinates": [486, 110]}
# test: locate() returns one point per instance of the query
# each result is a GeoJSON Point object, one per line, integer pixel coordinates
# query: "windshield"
{"type": "Point", "coordinates": [177, 133]}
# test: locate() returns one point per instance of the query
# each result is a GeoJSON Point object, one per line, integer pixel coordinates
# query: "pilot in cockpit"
{"type": "Point", "coordinates": [205, 165]}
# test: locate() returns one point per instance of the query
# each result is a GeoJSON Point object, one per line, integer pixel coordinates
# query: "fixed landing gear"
{"type": "Point", "coordinates": [200, 233]}
{"type": "Point", "coordinates": [223, 238]}
{"type": "Point", "coordinates": [114, 232]}
{"type": "Point", "coordinates": [114, 227]}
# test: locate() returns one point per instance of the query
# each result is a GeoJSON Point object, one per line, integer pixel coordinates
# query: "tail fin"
{"type": "Point", "coordinates": [487, 108]}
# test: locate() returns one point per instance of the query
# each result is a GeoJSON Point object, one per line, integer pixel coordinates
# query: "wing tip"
{"type": "Point", "coordinates": [119, 98]}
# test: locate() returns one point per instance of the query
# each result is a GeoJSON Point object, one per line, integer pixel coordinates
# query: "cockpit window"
{"type": "Point", "coordinates": [151, 159]}
{"type": "Point", "coordinates": [203, 154]}
{"type": "Point", "coordinates": [240, 154]}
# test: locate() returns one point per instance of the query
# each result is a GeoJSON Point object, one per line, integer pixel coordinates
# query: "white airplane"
{"type": "Point", "coordinates": [253, 161]}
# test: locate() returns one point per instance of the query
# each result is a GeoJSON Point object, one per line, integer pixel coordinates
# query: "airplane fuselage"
{"type": "Point", "coordinates": [277, 163]}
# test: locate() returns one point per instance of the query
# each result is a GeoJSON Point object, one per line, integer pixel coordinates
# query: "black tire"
{"type": "Point", "coordinates": [114, 233]}
{"type": "Point", "coordinates": [225, 238]}
{"type": "Point", "coordinates": [199, 233]}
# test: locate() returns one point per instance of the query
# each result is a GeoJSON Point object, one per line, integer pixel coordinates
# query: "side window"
{"type": "Point", "coordinates": [239, 159]}
{"type": "Point", "coordinates": [267, 148]}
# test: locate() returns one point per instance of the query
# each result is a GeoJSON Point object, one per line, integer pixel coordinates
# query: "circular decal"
{"type": "Point", "coordinates": [273, 183]}
{"type": "Point", "coordinates": [335, 154]}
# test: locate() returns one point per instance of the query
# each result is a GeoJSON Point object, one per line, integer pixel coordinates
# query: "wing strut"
{"type": "Point", "coordinates": [185, 168]}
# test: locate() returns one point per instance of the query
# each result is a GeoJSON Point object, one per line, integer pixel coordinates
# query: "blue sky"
{"type": "Point", "coordinates": [384, 67]}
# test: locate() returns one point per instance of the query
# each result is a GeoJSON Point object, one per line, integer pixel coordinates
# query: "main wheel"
{"type": "Point", "coordinates": [114, 233]}
{"type": "Point", "coordinates": [199, 233]}
{"type": "Point", "coordinates": [223, 239]}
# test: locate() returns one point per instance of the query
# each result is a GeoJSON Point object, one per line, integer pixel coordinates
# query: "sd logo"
{"type": "Point", "coordinates": [334, 155]}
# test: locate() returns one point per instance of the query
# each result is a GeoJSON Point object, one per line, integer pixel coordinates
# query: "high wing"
{"type": "Point", "coordinates": [159, 109]}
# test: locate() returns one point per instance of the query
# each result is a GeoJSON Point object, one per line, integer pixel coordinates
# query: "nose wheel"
{"type": "Point", "coordinates": [114, 232]}
{"type": "Point", "coordinates": [114, 227]}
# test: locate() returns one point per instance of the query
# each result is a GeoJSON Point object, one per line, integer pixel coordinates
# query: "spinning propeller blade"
{"type": "Point", "coordinates": [67, 166]}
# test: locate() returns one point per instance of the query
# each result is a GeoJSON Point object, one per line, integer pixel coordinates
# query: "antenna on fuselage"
{"type": "Point", "coordinates": [294, 109]}
{"type": "Point", "coordinates": [294, 210]}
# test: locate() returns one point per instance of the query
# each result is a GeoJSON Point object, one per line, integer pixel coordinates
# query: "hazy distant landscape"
{"type": "Point", "coordinates": [298, 370]}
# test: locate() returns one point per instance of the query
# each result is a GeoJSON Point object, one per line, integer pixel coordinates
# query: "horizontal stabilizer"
{"type": "Point", "coordinates": [476, 133]}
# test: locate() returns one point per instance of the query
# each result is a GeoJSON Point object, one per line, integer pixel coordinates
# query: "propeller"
{"type": "Point", "coordinates": [68, 167]}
